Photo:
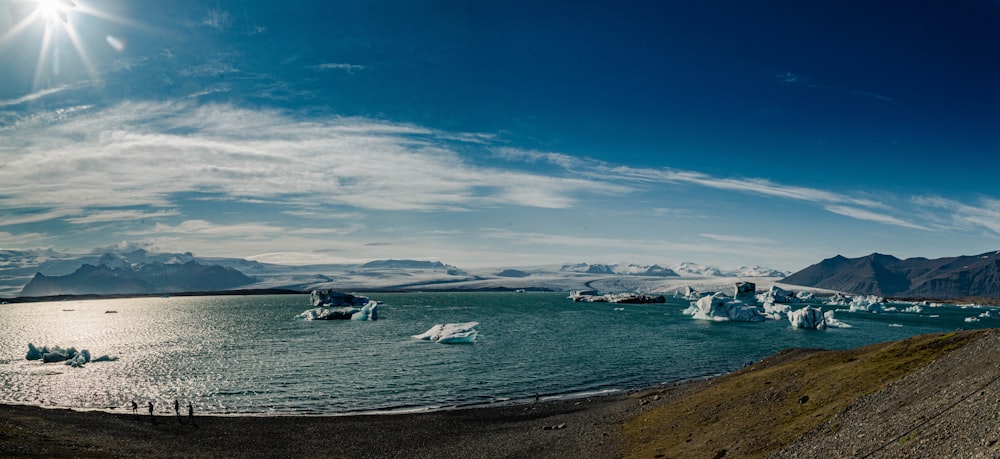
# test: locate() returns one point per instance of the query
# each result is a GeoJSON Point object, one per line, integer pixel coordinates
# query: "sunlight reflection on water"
{"type": "Point", "coordinates": [250, 355]}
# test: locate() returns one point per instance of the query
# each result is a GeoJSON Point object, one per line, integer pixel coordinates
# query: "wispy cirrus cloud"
{"type": "Point", "coordinates": [863, 214]}
{"type": "Point", "coordinates": [738, 239]}
{"type": "Point", "coordinates": [984, 214]}
{"type": "Point", "coordinates": [121, 215]}
{"type": "Point", "coordinates": [34, 96]}
{"type": "Point", "coordinates": [216, 19]}
{"type": "Point", "coordinates": [143, 154]}
{"type": "Point", "coordinates": [349, 68]}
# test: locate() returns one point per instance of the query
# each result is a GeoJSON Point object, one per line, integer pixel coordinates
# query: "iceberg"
{"type": "Point", "coordinates": [809, 318]}
{"type": "Point", "coordinates": [719, 307]}
{"type": "Point", "coordinates": [367, 312]}
{"type": "Point", "coordinates": [746, 292]}
{"type": "Point", "coordinates": [71, 357]}
{"type": "Point", "coordinates": [870, 303]}
{"type": "Point", "coordinates": [778, 295]}
{"type": "Point", "coordinates": [832, 322]}
{"type": "Point", "coordinates": [457, 333]}
{"type": "Point", "coordinates": [689, 293]}
{"type": "Point", "coordinates": [327, 298]}
{"type": "Point", "coordinates": [626, 298]}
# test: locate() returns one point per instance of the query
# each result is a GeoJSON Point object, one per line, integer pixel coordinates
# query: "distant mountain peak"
{"type": "Point", "coordinates": [154, 277]}
{"type": "Point", "coordinates": [887, 275]}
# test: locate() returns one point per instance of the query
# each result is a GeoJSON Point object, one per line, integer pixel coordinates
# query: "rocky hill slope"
{"type": "Point", "coordinates": [886, 275]}
{"type": "Point", "coordinates": [928, 396]}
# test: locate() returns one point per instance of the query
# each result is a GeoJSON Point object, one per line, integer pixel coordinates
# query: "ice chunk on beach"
{"type": "Point", "coordinates": [808, 317]}
{"type": "Point", "coordinates": [719, 307]}
{"type": "Point", "coordinates": [465, 332]}
{"type": "Point", "coordinates": [72, 357]}
{"type": "Point", "coordinates": [367, 312]}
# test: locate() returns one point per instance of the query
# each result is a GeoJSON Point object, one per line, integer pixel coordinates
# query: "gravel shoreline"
{"type": "Point", "coordinates": [589, 427]}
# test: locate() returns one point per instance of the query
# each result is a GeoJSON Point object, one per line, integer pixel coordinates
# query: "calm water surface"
{"type": "Point", "coordinates": [250, 355]}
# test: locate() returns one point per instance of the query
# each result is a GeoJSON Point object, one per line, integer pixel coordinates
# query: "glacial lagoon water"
{"type": "Point", "coordinates": [250, 355]}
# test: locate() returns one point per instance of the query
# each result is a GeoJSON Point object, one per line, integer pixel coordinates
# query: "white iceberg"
{"type": "Point", "coordinates": [367, 312]}
{"type": "Point", "coordinates": [719, 307]}
{"type": "Point", "coordinates": [838, 300]}
{"type": "Point", "coordinates": [775, 311]}
{"type": "Point", "coordinates": [584, 296]}
{"type": "Point", "coordinates": [465, 332]}
{"type": "Point", "coordinates": [72, 357]}
{"type": "Point", "coordinates": [871, 303]}
{"type": "Point", "coordinates": [777, 295]}
{"type": "Point", "coordinates": [831, 322]}
{"type": "Point", "coordinates": [809, 318]}
{"type": "Point", "coordinates": [327, 298]}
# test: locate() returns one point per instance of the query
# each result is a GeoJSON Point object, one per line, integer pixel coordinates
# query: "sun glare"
{"type": "Point", "coordinates": [54, 10]}
{"type": "Point", "coordinates": [62, 51]}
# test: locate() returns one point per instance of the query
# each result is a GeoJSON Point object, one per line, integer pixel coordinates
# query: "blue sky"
{"type": "Point", "coordinates": [502, 133]}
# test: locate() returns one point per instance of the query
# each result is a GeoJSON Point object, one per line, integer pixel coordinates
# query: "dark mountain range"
{"type": "Point", "coordinates": [886, 275]}
{"type": "Point", "coordinates": [123, 279]}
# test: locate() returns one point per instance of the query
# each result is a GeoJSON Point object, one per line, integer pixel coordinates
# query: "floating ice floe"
{"type": "Point", "coordinates": [870, 303]}
{"type": "Point", "coordinates": [465, 332]}
{"type": "Point", "coordinates": [331, 305]}
{"type": "Point", "coordinates": [808, 317]}
{"type": "Point", "coordinates": [72, 357]}
{"type": "Point", "coordinates": [327, 298]}
{"type": "Point", "coordinates": [972, 319]}
{"type": "Point", "coordinates": [720, 307]}
{"type": "Point", "coordinates": [814, 319]}
{"type": "Point", "coordinates": [367, 312]}
{"type": "Point", "coordinates": [585, 296]}
{"type": "Point", "coordinates": [778, 295]}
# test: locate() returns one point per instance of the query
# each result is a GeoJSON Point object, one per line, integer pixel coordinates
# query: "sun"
{"type": "Point", "coordinates": [54, 10]}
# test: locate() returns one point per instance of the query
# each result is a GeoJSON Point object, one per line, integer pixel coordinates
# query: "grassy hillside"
{"type": "Point", "coordinates": [760, 409]}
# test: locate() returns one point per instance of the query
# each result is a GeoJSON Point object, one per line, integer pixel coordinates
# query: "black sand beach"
{"type": "Point", "coordinates": [557, 429]}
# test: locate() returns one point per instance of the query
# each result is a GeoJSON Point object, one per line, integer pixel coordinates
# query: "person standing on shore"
{"type": "Point", "coordinates": [135, 408]}
{"type": "Point", "coordinates": [177, 407]}
{"type": "Point", "coordinates": [150, 409]}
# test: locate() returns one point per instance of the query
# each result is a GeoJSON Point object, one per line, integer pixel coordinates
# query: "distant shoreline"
{"type": "Point", "coordinates": [263, 291]}
{"type": "Point", "coordinates": [985, 301]}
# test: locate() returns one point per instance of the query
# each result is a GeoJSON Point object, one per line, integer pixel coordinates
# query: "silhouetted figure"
{"type": "Point", "coordinates": [135, 408]}
{"type": "Point", "coordinates": [150, 409]}
{"type": "Point", "coordinates": [191, 414]}
{"type": "Point", "coordinates": [177, 408]}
